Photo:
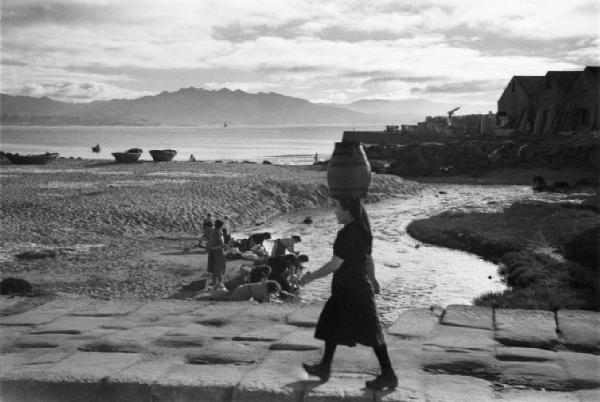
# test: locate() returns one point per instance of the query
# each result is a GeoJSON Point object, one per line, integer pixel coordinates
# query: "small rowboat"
{"type": "Point", "coordinates": [130, 156]}
{"type": "Point", "coordinates": [39, 159]}
{"type": "Point", "coordinates": [163, 155]}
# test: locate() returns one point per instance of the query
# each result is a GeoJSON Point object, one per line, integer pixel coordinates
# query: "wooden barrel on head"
{"type": "Point", "coordinates": [349, 172]}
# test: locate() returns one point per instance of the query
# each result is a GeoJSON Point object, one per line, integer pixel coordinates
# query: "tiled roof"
{"type": "Point", "coordinates": [530, 83]}
{"type": "Point", "coordinates": [564, 79]}
{"type": "Point", "coordinates": [595, 70]}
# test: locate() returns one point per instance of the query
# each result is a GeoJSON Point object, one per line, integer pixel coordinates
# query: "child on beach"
{"type": "Point", "coordinates": [207, 226]}
{"type": "Point", "coordinates": [226, 230]}
{"type": "Point", "coordinates": [216, 254]}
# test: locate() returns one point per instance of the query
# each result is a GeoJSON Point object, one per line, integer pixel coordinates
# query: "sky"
{"type": "Point", "coordinates": [330, 51]}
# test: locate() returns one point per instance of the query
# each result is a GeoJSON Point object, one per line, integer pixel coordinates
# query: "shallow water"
{"type": "Point", "coordinates": [411, 274]}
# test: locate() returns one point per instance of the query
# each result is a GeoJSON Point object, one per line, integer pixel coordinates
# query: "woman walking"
{"type": "Point", "coordinates": [350, 316]}
{"type": "Point", "coordinates": [216, 254]}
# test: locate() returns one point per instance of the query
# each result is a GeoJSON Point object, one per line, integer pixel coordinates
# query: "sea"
{"type": "Point", "coordinates": [279, 144]}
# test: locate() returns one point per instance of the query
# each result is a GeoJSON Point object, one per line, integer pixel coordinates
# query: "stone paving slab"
{"type": "Point", "coordinates": [267, 333]}
{"type": "Point", "coordinates": [469, 316]}
{"type": "Point", "coordinates": [71, 324]}
{"type": "Point", "coordinates": [506, 353]}
{"type": "Point", "coordinates": [415, 323]}
{"type": "Point", "coordinates": [347, 387]}
{"type": "Point", "coordinates": [246, 351]}
{"type": "Point", "coordinates": [45, 313]}
{"type": "Point", "coordinates": [276, 379]}
{"type": "Point", "coordinates": [467, 338]}
{"type": "Point", "coordinates": [538, 375]}
{"type": "Point", "coordinates": [581, 369]}
{"type": "Point", "coordinates": [580, 329]}
{"type": "Point", "coordinates": [443, 388]}
{"type": "Point", "coordinates": [529, 328]}
{"type": "Point", "coordinates": [108, 308]}
{"type": "Point", "coordinates": [199, 383]}
{"type": "Point", "coordinates": [305, 316]}
{"type": "Point", "coordinates": [410, 388]}
{"type": "Point", "coordinates": [302, 339]}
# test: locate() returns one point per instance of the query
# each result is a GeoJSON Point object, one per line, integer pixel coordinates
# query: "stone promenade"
{"type": "Point", "coordinates": [78, 349]}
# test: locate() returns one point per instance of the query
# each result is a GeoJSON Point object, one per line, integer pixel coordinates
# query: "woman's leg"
{"type": "Point", "coordinates": [388, 378]}
{"type": "Point", "coordinates": [328, 354]}
{"type": "Point", "coordinates": [323, 369]}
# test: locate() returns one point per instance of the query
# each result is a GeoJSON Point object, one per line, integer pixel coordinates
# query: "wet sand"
{"type": "Point", "coordinates": [101, 219]}
{"type": "Point", "coordinates": [120, 230]}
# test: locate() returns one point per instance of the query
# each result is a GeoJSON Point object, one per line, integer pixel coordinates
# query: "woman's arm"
{"type": "Point", "coordinates": [371, 273]}
{"type": "Point", "coordinates": [329, 267]}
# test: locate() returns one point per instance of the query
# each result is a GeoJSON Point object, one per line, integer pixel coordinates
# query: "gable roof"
{"type": "Point", "coordinates": [529, 83]}
{"type": "Point", "coordinates": [594, 70]}
{"type": "Point", "coordinates": [564, 79]}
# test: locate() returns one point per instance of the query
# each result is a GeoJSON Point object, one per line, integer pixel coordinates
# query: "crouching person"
{"type": "Point", "coordinates": [260, 291]}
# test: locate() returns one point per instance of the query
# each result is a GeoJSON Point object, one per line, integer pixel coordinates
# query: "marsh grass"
{"type": "Point", "coordinates": [547, 252]}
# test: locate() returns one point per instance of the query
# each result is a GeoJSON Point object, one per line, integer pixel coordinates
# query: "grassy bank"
{"type": "Point", "coordinates": [547, 252]}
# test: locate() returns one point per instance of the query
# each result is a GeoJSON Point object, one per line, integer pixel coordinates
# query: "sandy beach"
{"type": "Point", "coordinates": [99, 222]}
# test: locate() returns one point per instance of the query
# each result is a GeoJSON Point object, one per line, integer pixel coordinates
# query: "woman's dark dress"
{"type": "Point", "coordinates": [216, 258]}
{"type": "Point", "coordinates": [350, 316]}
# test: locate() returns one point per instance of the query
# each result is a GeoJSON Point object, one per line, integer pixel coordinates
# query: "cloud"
{"type": "Point", "coordinates": [246, 86]}
{"type": "Point", "coordinates": [310, 48]}
{"type": "Point", "coordinates": [78, 91]}
{"type": "Point", "coordinates": [461, 87]}
{"type": "Point", "coordinates": [401, 79]}
{"type": "Point", "coordinates": [28, 13]}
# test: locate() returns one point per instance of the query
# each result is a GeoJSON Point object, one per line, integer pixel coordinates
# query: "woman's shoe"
{"type": "Point", "coordinates": [318, 371]}
{"type": "Point", "coordinates": [383, 381]}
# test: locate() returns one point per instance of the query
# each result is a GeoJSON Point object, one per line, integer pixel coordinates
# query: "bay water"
{"type": "Point", "coordinates": [278, 144]}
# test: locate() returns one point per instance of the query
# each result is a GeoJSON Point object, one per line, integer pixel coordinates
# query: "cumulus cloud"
{"type": "Point", "coordinates": [78, 91]}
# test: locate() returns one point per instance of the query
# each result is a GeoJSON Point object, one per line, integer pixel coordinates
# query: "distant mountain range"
{"type": "Point", "coordinates": [195, 106]}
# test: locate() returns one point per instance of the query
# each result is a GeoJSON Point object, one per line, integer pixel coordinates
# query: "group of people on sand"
{"type": "Point", "coordinates": [274, 274]}
{"type": "Point", "coordinates": [350, 315]}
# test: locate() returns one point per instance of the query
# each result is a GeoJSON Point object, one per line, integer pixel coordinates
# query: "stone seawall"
{"type": "Point", "coordinates": [475, 157]}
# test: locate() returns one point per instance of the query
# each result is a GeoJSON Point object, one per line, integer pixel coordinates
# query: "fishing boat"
{"type": "Point", "coordinates": [130, 156]}
{"type": "Point", "coordinates": [163, 155]}
{"type": "Point", "coordinates": [38, 159]}
{"type": "Point", "coordinates": [96, 148]}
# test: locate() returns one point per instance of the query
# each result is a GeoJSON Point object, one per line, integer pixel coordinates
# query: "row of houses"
{"type": "Point", "coordinates": [557, 101]}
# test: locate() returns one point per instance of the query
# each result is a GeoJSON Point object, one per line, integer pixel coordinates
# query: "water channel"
{"type": "Point", "coordinates": [411, 274]}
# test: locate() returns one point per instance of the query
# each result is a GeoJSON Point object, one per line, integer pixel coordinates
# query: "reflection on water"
{"type": "Point", "coordinates": [411, 275]}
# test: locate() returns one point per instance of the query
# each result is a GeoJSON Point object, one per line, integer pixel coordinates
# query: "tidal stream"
{"type": "Point", "coordinates": [411, 274]}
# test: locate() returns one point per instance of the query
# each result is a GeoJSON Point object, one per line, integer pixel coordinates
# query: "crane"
{"type": "Point", "coordinates": [450, 113]}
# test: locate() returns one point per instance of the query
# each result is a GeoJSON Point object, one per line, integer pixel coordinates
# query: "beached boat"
{"type": "Point", "coordinates": [163, 155]}
{"type": "Point", "coordinates": [130, 156]}
{"type": "Point", "coordinates": [39, 159]}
